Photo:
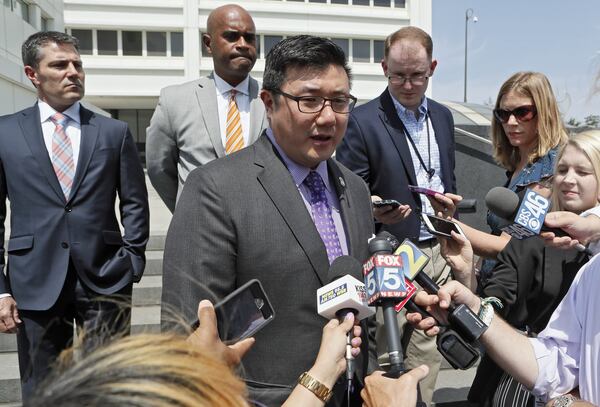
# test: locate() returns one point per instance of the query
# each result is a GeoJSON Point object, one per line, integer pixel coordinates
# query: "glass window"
{"type": "Point", "coordinates": [85, 41]}
{"type": "Point", "coordinates": [377, 51]}
{"type": "Point", "coordinates": [361, 2]}
{"type": "Point", "coordinates": [177, 44]}
{"type": "Point", "coordinates": [45, 24]}
{"type": "Point", "coordinates": [339, 1]}
{"type": "Point", "coordinates": [270, 41]}
{"type": "Point", "coordinates": [132, 43]}
{"type": "Point", "coordinates": [400, 3]}
{"type": "Point", "coordinates": [317, 1]}
{"type": "Point", "coordinates": [361, 50]}
{"type": "Point", "coordinates": [107, 42]}
{"type": "Point", "coordinates": [301, 1]}
{"type": "Point", "coordinates": [156, 43]}
{"type": "Point", "coordinates": [382, 3]}
{"type": "Point", "coordinates": [342, 43]}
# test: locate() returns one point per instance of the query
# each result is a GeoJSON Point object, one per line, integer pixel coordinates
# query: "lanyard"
{"type": "Point", "coordinates": [428, 168]}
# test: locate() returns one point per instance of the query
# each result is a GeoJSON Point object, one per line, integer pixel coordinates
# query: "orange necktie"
{"type": "Point", "coordinates": [234, 136]}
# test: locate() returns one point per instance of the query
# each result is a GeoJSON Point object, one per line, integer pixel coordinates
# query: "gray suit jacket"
{"type": "Point", "coordinates": [184, 133]}
{"type": "Point", "coordinates": [242, 217]}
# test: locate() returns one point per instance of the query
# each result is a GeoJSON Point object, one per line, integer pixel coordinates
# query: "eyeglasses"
{"type": "Point", "coordinates": [315, 104]}
{"type": "Point", "coordinates": [521, 113]}
{"type": "Point", "coordinates": [400, 80]}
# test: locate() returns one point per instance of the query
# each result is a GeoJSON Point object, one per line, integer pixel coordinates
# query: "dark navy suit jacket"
{"type": "Point", "coordinates": [375, 147]}
{"type": "Point", "coordinates": [47, 230]}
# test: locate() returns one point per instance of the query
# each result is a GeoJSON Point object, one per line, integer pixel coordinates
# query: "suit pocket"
{"type": "Point", "coordinates": [20, 243]}
{"type": "Point", "coordinates": [112, 237]}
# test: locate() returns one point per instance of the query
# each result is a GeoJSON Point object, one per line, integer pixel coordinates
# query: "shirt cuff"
{"type": "Point", "coordinates": [5, 295]}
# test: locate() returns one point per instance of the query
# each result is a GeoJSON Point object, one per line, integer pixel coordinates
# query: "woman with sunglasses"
{"type": "Point", "coordinates": [527, 131]}
{"type": "Point", "coordinates": [530, 279]}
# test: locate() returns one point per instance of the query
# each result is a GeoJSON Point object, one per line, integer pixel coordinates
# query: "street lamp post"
{"type": "Point", "coordinates": [468, 16]}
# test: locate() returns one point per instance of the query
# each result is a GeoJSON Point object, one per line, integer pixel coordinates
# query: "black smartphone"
{"type": "Point", "coordinates": [386, 202]}
{"type": "Point", "coordinates": [243, 313]}
{"type": "Point", "coordinates": [440, 226]}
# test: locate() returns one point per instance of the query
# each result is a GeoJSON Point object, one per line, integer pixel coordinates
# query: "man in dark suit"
{"type": "Point", "coordinates": [254, 215]}
{"type": "Point", "coordinates": [190, 125]}
{"type": "Point", "coordinates": [403, 138]}
{"type": "Point", "coordinates": [61, 167]}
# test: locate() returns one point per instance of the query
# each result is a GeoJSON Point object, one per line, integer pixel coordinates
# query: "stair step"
{"type": "Point", "coordinates": [156, 242]}
{"type": "Point", "coordinates": [147, 291]}
{"type": "Point", "coordinates": [154, 261]}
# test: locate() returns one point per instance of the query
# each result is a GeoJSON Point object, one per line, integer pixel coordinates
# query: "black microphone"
{"type": "Point", "coordinates": [385, 286]}
{"type": "Point", "coordinates": [460, 317]}
{"type": "Point", "coordinates": [343, 295]}
{"type": "Point", "coordinates": [524, 216]}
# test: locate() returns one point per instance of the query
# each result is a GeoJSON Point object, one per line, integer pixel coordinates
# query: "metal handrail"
{"type": "Point", "coordinates": [473, 136]}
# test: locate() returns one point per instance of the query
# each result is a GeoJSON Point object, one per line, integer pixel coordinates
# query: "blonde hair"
{"type": "Point", "coordinates": [142, 370]}
{"type": "Point", "coordinates": [588, 142]}
{"type": "Point", "coordinates": [551, 130]}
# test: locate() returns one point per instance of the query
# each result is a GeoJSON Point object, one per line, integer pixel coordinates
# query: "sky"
{"type": "Point", "coordinates": [556, 37]}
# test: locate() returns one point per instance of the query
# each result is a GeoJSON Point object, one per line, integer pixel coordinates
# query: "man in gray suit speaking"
{"type": "Point", "coordinates": [279, 211]}
{"type": "Point", "coordinates": [198, 121]}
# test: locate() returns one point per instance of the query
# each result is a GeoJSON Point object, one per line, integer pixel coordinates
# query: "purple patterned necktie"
{"type": "Point", "coordinates": [321, 212]}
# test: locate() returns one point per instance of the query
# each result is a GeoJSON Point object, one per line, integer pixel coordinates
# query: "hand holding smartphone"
{"type": "Point", "coordinates": [386, 202]}
{"type": "Point", "coordinates": [421, 190]}
{"type": "Point", "coordinates": [243, 313]}
{"type": "Point", "coordinates": [439, 226]}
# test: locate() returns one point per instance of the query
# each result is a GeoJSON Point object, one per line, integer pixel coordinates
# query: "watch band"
{"type": "Point", "coordinates": [315, 386]}
{"type": "Point", "coordinates": [564, 401]}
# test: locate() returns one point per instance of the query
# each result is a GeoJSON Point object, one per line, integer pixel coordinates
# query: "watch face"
{"type": "Point", "coordinates": [564, 401]}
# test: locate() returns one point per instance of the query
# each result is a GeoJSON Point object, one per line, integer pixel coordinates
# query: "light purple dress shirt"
{"type": "Point", "coordinates": [299, 173]}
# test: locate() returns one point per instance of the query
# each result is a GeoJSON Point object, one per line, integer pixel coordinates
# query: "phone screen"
{"type": "Point", "coordinates": [442, 226]}
{"type": "Point", "coordinates": [243, 313]}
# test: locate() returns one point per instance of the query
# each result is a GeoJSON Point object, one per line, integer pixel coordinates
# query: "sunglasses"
{"type": "Point", "coordinates": [521, 113]}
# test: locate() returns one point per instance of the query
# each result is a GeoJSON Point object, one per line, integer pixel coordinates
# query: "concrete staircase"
{"type": "Point", "coordinates": [145, 317]}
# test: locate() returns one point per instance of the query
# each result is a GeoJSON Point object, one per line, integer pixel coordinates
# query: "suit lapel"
{"type": "Point", "coordinates": [32, 131]}
{"type": "Point", "coordinates": [257, 112]}
{"type": "Point", "coordinates": [206, 94]}
{"type": "Point", "coordinates": [395, 128]}
{"type": "Point", "coordinates": [89, 136]}
{"type": "Point", "coordinates": [348, 216]}
{"type": "Point", "coordinates": [279, 185]}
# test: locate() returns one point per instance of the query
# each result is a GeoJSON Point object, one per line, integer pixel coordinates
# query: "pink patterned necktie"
{"type": "Point", "coordinates": [62, 154]}
{"type": "Point", "coordinates": [321, 212]}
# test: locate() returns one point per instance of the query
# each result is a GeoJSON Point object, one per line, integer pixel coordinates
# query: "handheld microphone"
{"type": "Point", "coordinates": [460, 317]}
{"type": "Point", "coordinates": [344, 294]}
{"type": "Point", "coordinates": [524, 217]}
{"type": "Point", "coordinates": [385, 286]}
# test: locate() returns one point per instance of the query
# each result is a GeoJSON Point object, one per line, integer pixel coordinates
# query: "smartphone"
{"type": "Point", "coordinates": [386, 202]}
{"type": "Point", "coordinates": [440, 226]}
{"type": "Point", "coordinates": [243, 313]}
{"type": "Point", "coordinates": [420, 190]}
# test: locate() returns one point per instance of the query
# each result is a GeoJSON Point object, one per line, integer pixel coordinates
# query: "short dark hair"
{"type": "Point", "coordinates": [30, 50]}
{"type": "Point", "coordinates": [301, 51]}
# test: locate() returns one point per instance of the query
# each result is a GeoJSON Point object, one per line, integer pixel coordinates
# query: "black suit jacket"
{"type": "Point", "coordinates": [241, 217]}
{"type": "Point", "coordinates": [47, 230]}
{"type": "Point", "coordinates": [375, 147]}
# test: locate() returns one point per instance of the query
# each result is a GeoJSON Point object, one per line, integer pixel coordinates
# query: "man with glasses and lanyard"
{"type": "Point", "coordinates": [403, 138]}
{"type": "Point", "coordinates": [279, 211]}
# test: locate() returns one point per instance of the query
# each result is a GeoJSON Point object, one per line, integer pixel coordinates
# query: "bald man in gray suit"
{"type": "Point", "coordinates": [188, 128]}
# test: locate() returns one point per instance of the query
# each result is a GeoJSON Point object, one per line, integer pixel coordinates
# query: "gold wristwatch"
{"type": "Point", "coordinates": [315, 386]}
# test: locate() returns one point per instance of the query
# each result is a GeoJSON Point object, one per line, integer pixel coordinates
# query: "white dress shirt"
{"type": "Point", "coordinates": [242, 99]}
{"type": "Point", "coordinates": [568, 350]}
